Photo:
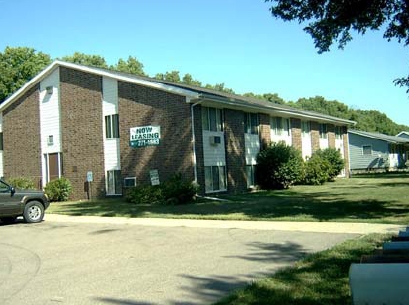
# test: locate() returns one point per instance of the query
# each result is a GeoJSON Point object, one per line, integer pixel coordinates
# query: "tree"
{"type": "Point", "coordinates": [172, 76]}
{"type": "Point", "coordinates": [87, 60]}
{"type": "Point", "coordinates": [131, 65]}
{"type": "Point", "coordinates": [331, 21]}
{"type": "Point", "coordinates": [19, 65]}
{"type": "Point", "coordinates": [188, 80]}
{"type": "Point", "coordinates": [271, 97]}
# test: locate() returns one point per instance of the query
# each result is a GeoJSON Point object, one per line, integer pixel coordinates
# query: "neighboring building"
{"type": "Point", "coordinates": [371, 151]}
{"type": "Point", "coordinates": [403, 134]}
{"type": "Point", "coordinates": [119, 130]}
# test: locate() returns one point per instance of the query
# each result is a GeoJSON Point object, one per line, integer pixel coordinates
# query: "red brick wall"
{"type": "Point", "coordinates": [265, 130]}
{"type": "Point", "coordinates": [315, 136]}
{"type": "Point", "coordinates": [82, 130]}
{"type": "Point", "coordinates": [296, 134]}
{"type": "Point", "coordinates": [331, 135]}
{"type": "Point", "coordinates": [235, 154]}
{"type": "Point", "coordinates": [140, 106]}
{"type": "Point", "coordinates": [21, 138]}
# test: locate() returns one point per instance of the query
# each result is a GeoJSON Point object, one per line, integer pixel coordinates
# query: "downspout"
{"type": "Point", "coordinates": [194, 140]}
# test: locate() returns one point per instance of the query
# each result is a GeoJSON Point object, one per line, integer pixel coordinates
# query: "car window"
{"type": "Point", "coordinates": [4, 188]}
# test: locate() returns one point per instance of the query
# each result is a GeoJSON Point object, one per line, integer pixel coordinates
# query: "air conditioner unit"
{"type": "Point", "coordinates": [214, 140]}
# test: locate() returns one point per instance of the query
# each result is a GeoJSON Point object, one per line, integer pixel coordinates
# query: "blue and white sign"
{"type": "Point", "coordinates": [144, 136]}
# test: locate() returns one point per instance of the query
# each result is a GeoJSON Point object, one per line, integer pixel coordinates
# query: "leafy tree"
{"type": "Point", "coordinates": [172, 76]}
{"type": "Point", "coordinates": [19, 65]}
{"type": "Point", "coordinates": [219, 87]}
{"type": "Point", "coordinates": [188, 80]}
{"type": "Point", "coordinates": [87, 60]}
{"type": "Point", "coordinates": [332, 20]}
{"type": "Point", "coordinates": [271, 97]}
{"type": "Point", "coordinates": [131, 65]}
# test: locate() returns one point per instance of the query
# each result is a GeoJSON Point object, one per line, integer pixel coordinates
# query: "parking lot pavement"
{"type": "Point", "coordinates": [79, 262]}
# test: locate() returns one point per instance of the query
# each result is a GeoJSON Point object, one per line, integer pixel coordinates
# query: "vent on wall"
{"type": "Point", "coordinates": [214, 140]}
{"type": "Point", "coordinates": [50, 140]}
{"type": "Point", "coordinates": [49, 89]}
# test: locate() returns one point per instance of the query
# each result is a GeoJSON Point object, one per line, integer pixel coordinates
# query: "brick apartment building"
{"type": "Point", "coordinates": [120, 130]}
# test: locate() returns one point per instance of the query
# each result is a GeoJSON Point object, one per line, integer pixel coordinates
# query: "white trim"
{"type": "Point", "coordinates": [58, 63]}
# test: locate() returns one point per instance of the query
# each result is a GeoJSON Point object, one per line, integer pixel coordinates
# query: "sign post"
{"type": "Point", "coordinates": [90, 178]}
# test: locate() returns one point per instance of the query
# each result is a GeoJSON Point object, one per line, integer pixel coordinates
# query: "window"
{"type": "Point", "coordinates": [367, 150]}
{"type": "Point", "coordinates": [251, 123]}
{"type": "Point", "coordinates": [305, 128]}
{"type": "Point", "coordinates": [323, 131]}
{"type": "Point", "coordinates": [1, 141]}
{"type": "Point", "coordinates": [212, 119]}
{"type": "Point", "coordinates": [114, 182]}
{"type": "Point", "coordinates": [130, 182]}
{"type": "Point", "coordinates": [112, 126]}
{"type": "Point", "coordinates": [338, 132]}
{"type": "Point", "coordinates": [215, 178]}
{"type": "Point", "coordinates": [280, 126]}
{"type": "Point", "coordinates": [250, 170]}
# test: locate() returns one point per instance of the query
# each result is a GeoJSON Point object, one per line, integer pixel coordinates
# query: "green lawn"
{"type": "Point", "coordinates": [319, 279]}
{"type": "Point", "coordinates": [371, 198]}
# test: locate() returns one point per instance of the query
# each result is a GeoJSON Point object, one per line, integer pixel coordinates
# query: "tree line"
{"type": "Point", "coordinates": [20, 64]}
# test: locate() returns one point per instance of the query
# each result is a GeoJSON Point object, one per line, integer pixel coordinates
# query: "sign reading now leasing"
{"type": "Point", "coordinates": [144, 136]}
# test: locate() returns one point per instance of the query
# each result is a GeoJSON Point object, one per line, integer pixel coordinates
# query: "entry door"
{"type": "Point", "coordinates": [54, 166]}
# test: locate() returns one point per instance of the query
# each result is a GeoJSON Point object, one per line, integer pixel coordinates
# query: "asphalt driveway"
{"type": "Point", "coordinates": [57, 262]}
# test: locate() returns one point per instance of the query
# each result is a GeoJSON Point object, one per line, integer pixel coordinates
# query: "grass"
{"type": "Point", "coordinates": [321, 278]}
{"type": "Point", "coordinates": [369, 198]}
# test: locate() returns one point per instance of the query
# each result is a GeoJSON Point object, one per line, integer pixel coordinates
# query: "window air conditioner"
{"type": "Point", "coordinates": [214, 140]}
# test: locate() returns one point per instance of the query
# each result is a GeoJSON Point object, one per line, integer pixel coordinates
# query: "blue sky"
{"type": "Point", "coordinates": [235, 42]}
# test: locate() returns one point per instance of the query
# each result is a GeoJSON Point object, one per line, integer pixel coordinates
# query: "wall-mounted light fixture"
{"type": "Point", "coordinates": [49, 89]}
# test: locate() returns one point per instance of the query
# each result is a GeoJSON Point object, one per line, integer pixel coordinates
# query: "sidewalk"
{"type": "Point", "coordinates": [321, 227]}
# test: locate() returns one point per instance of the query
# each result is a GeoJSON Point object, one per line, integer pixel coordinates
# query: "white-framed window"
{"type": "Point", "coordinates": [215, 178]}
{"type": "Point", "coordinates": [280, 126]}
{"type": "Point", "coordinates": [112, 126]}
{"type": "Point", "coordinates": [250, 173]}
{"type": "Point", "coordinates": [129, 181]}
{"type": "Point", "coordinates": [114, 182]}
{"type": "Point", "coordinates": [212, 119]}
{"type": "Point", "coordinates": [338, 132]}
{"type": "Point", "coordinates": [305, 128]}
{"type": "Point", "coordinates": [366, 150]}
{"type": "Point", "coordinates": [251, 123]}
{"type": "Point", "coordinates": [323, 131]}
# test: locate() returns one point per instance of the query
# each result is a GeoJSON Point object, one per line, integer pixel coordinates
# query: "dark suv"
{"type": "Point", "coordinates": [27, 203]}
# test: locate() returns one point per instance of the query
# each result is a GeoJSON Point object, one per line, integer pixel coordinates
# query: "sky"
{"type": "Point", "coordinates": [235, 42]}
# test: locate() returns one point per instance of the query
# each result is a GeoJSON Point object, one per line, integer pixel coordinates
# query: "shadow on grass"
{"type": "Point", "coordinates": [321, 278]}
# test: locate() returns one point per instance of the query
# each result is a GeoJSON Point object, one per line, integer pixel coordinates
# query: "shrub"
{"type": "Point", "coordinates": [21, 183]}
{"type": "Point", "coordinates": [279, 166]}
{"type": "Point", "coordinates": [58, 189]}
{"type": "Point", "coordinates": [176, 190]}
{"type": "Point", "coordinates": [335, 160]}
{"type": "Point", "coordinates": [316, 170]}
{"type": "Point", "coordinates": [144, 194]}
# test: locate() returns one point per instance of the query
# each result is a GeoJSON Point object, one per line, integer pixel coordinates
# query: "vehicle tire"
{"type": "Point", "coordinates": [33, 212]}
{"type": "Point", "coordinates": [8, 220]}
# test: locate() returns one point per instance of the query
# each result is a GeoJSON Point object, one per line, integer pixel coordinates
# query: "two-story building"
{"type": "Point", "coordinates": [121, 130]}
